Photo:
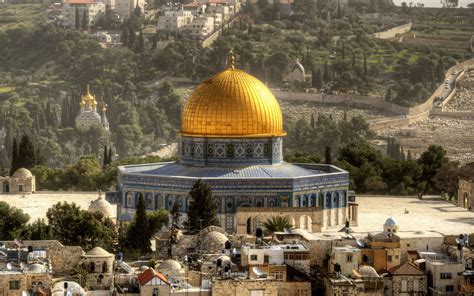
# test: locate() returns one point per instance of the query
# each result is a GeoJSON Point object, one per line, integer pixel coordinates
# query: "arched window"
{"type": "Point", "coordinates": [104, 267]}
{"type": "Point", "coordinates": [129, 200]}
{"type": "Point", "coordinates": [328, 200]}
{"type": "Point", "coordinates": [92, 267]}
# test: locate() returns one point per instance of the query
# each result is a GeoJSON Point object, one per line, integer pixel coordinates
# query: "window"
{"type": "Point", "coordinates": [449, 288]}
{"type": "Point", "coordinates": [278, 275]}
{"type": "Point", "coordinates": [445, 275]}
{"type": "Point", "coordinates": [404, 286]}
{"type": "Point", "coordinates": [20, 188]}
{"type": "Point", "coordinates": [389, 258]}
{"type": "Point", "coordinates": [257, 292]}
{"type": "Point", "coordinates": [14, 285]}
{"type": "Point", "coordinates": [349, 258]}
{"type": "Point", "coordinates": [416, 285]}
{"type": "Point", "coordinates": [253, 257]}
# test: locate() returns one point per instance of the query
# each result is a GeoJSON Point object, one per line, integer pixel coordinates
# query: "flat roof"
{"type": "Point", "coordinates": [423, 215]}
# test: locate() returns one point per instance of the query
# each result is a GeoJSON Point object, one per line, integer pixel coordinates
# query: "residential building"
{"type": "Point", "coordinates": [344, 260]}
{"type": "Point", "coordinates": [125, 8]}
{"type": "Point", "coordinates": [174, 20]}
{"type": "Point", "coordinates": [153, 283]}
{"type": "Point", "coordinates": [444, 273]}
{"type": "Point", "coordinates": [363, 281]}
{"type": "Point", "coordinates": [201, 27]}
{"type": "Point", "coordinates": [75, 10]}
{"type": "Point", "coordinates": [16, 280]}
{"type": "Point", "coordinates": [405, 280]}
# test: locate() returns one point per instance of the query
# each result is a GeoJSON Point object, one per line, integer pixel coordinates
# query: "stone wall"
{"type": "Point", "coordinates": [410, 280]}
{"type": "Point", "coordinates": [240, 287]}
{"type": "Point", "coordinates": [393, 32]}
{"type": "Point", "coordinates": [25, 282]}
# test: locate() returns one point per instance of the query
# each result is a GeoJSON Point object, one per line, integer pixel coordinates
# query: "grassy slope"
{"type": "Point", "coordinates": [22, 15]}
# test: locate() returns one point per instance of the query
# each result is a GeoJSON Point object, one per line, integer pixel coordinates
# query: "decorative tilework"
{"type": "Point", "coordinates": [239, 151]}
{"type": "Point", "coordinates": [198, 150]}
{"type": "Point", "coordinates": [220, 150]}
{"type": "Point", "coordinates": [258, 150]}
{"type": "Point", "coordinates": [210, 150]}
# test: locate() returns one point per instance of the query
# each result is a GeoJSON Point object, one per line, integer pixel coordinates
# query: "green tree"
{"type": "Point", "coordinates": [15, 165]}
{"type": "Point", "coordinates": [143, 227]}
{"type": "Point", "coordinates": [328, 155]}
{"type": "Point", "coordinates": [39, 230]}
{"type": "Point", "coordinates": [124, 37]}
{"type": "Point", "coordinates": [316, 79]}
{"type": "Point", "coordinates": [12, 221]}
{"type": "Point", "coordinates": [202, 207]}
{"type": "Point", "coordinates": [85, 21]}
{"type": "Point", "coordinates": [326, 74]}
{"type": "Point", "coordinates": [141, 43]}
{"type": "Point", "coordinates": [131, 38]}
{"type": "Point", "coordinates": [26, 153]}
{"type": "Point", "coordinates": [431, 161]}
{"type": "Point", "coordinates": [174, 229]}
{"type": "Point", "coordinates": [277, 224]}
{"type": "Point", "coordinates": [77, 24]}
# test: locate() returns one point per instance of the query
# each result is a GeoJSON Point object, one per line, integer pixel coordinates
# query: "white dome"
{"type": "Point", "coordinates": [391, 221]}
{"type": "Point", "coordinates": [102, 206]}
{"type": "Point", "coordinates": [170, 266]}
{"type": "Point", "coordinates": [368, 271]}
{"type": "Point", "coordinates": [22, 173]}
{"type": "Point", "coordinates": [36, 268]}
{"type": "Point", "coordinates": [212, 242]}
{"type": "Point", "coordinates": [98, 252]}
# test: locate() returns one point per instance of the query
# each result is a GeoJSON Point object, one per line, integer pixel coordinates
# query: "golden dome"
{"type": "Point", "coordinates": [88, 99]}
{"type": "Point", "coordinates": [230, 104]}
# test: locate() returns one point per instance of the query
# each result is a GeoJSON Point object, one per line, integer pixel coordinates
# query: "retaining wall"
{"type": "Point", "coordinates": [393, 32]}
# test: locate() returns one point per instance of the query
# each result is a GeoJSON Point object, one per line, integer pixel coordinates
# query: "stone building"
{"type": "Point", "coordinates": [347, 259]}
{"type": "Point", "coordinates": [259, 287]}
{"type": "Point", "coordinates": [172, 270]}
{"type": "Point", "coordinates": [231, 138]}
{"type": "Point", "coordinates": [153, 283]}
{"type": "Point", "coordinates": [90, 8]}
{"type": "Point", "coordinates": [100, 265]}
{"type": "Point", "coordinates": [466, 194]}
{"type": "Point", "coordinates": [364, 281]}
{"type": "Point", "coordinates": [22, 181]}
{"type": "Point", "coordinates": [444, 273]}
{"type": "Point", "coordinates": [405, 280]}
{"type": "Point", "coordinates": [35, 278]}
{"type": "Point", "coordinates": [384, 251]}
{"type": "Point", "coordinates": [125, 8]}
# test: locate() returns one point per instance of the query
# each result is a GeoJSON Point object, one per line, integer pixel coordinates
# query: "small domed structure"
{"type": "Point", "coordinates": [390, 225]}
{"type": "Point", "coordinates": [98, 252]}
{"type": "Point", "coordinates": [172, 270]}
{"type": "Point", "coordinates": [22, 173]}
{"type": "Point", "coordinates": [36, 268]}
{"type": "Point", "coordinates": [101, 205]}
{"type": "Point", "coordinates": [367, 271]}
{"type": "Point", "coordinates": [212, 242]}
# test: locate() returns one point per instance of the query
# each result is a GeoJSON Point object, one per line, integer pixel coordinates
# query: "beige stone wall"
{"type": "Point", "coordinates": [148, 290]}
{"type": "Point", "coordinates": [25, 280]}
{"type": "Point", "coordinates": [466, 194]}
{"type": "Point", "coordinates": [270, 287]}
{"type": "Point", "coordinates": [18, 185]}
{"type": "Point", "coordinates": [397, 285]}
{"type": "Point", "coordinates": [393, 32]}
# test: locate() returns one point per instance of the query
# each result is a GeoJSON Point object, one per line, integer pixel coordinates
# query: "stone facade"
{"type": "Point", "coordinates": [15, 282]}
{"type": "Point", "coordinates": [251, 287]}
{"type": "Point", "coordinates": [466, 194]}
{"type": "Point", "coordinates": [100, 265]}
{"type": "Point", "coordinates": [22, 181]}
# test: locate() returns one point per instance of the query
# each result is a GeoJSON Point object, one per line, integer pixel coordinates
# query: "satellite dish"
{"type": "Point", "coordinates": [9, 266]}
{"type": "Point", "coordinates": [18, 242]}
{"type": "Point", "coordinates": [24, 293]}
{"type": "Point", "coordinates": [360, 243]}
{"type": "Point", "coordinates": [258, 272]}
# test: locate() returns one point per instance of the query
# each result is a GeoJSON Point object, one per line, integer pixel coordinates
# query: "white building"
{"type": "Point", "coordinates": [125, 8]}
{"type": "Point", "coordinates": [201, 27]}
{"type": "Point", "coordinates": [444, 273]}
{"type": "Point", "coordinates": [91, 8]}
{"type": "Point", "coordinates": [174, 20]}
{"type": "Point", "coordinates": [347, 258]}
{"type": "Point", "coordinates": [295, 255]}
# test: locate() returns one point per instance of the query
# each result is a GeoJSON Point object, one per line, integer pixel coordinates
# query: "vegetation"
{"type": "Point", "coordinates": [277, 224]}
{"type": "Point", "coordinates": [142, 228]}
{"type": "Point", "coordinates": [12, 221]}
{"type": "Point", "coordinates": [202, 209]}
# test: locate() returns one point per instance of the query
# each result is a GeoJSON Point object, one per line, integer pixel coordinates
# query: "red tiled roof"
{"type": "Point", "coordinates": [79, 1]}
{"type": "Point", "coordinates": [149, 274]}
{"type": "Point", "coordinates": [407, 268]}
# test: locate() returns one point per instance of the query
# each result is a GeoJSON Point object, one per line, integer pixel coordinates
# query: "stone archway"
{"type": "Point", "coordinates": [306, 223]}
{"type": "Point", "coordinates": [5, 187]}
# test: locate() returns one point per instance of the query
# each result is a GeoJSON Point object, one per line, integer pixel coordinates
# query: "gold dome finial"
{"type": "Point", "coordinates": [104, 107]}
{"type": "Point", "coordinates": [231, 59]}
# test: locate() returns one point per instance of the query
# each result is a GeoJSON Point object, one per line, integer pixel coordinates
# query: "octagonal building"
{"type": "Point", "coordinates": [231, 138]}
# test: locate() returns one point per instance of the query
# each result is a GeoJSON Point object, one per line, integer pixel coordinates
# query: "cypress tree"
{"type": "Point", "coordinates": [202, 209]}
{"type": "Point", "coordinates": [77, 24]}
{"type": "Point", "coordinates": [109, 161]}
{"type": "Point", "coordinates": [131, 38]}
{"type": "Point", "coordinates": [440, 70]}
{"type": "Point", "coordinates": [327, 155]}
{"type": "Point", "coordinates": [26, 153]}
{"type": "Point", "coordinates": [85, 21]}
{"type": "Point", "coordinates": [409, 157]}
{"type": "Point", "coordinates": [326, 75]}
{"type": "Point", "coordinates": [343, 51]}
{"type": "Point", "coordinates": [345, 115]}
{"type": "Point", "coordinates": [353, 59]}
{"type": "Point", "coordinates": [141, 43]}
{"type": "Point", "coordinates": [313, 123]}
{"type": "Point", "coordinates": [317, 79]}
{"type": "Point", "coordinates": [14, 163]}
{"type": "Point", "coordinates": [140, 241]}
{"type": "Point", "coordinates": [402, 154]}
{"type": "Point", "coordinates": [365, 65]}
{"type": "Point", "coordinates": [105, 157]}
{"type": "Point", "coordinates": [124, 37]}
{"type": "Point", "coordinates": [339, 11]}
